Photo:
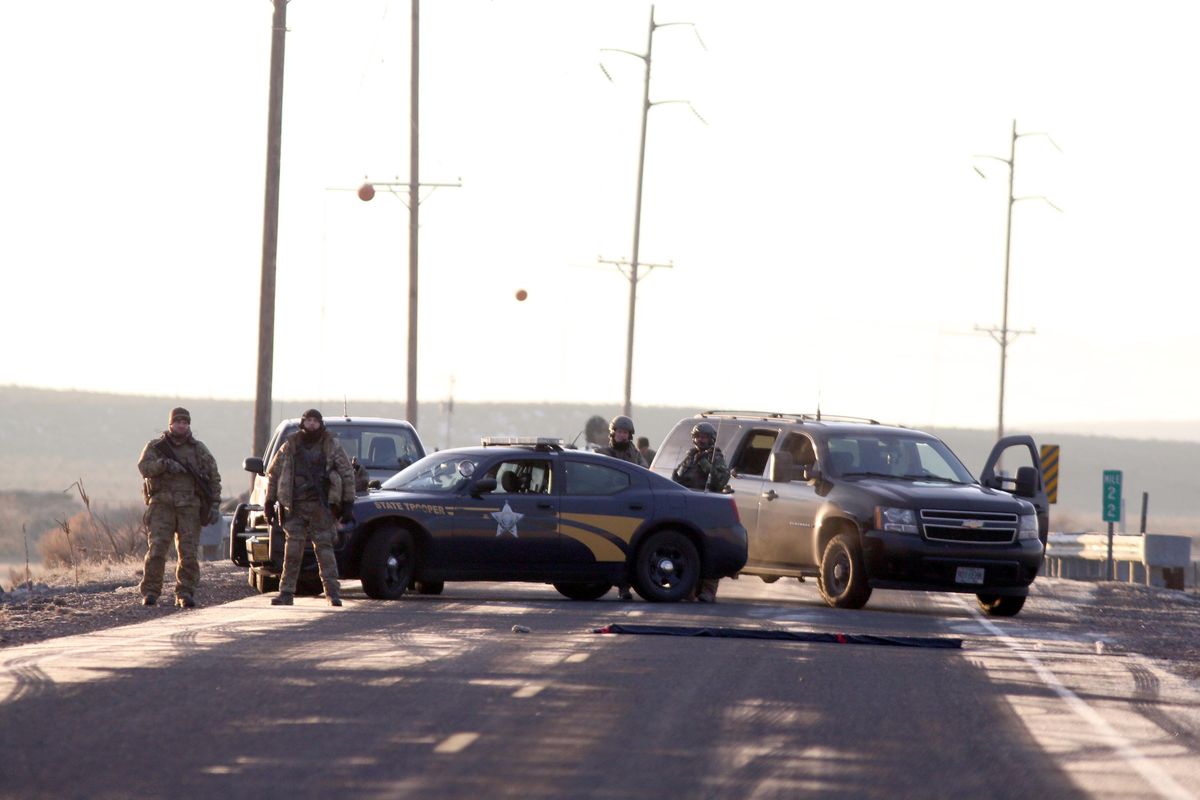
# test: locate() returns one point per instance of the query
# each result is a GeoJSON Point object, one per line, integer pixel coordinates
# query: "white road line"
{"type": "Point", "coordinates": [1162, 783]}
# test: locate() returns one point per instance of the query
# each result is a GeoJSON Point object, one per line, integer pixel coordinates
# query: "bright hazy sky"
{"type": "Point", "coordinates": [831, 240]}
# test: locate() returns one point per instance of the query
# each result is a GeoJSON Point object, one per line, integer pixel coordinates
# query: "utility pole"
{"type": "Point", "coordinates": [414, 183]}
{"type": "Point", "coordinates": [633, 264]}
{"type": "Point", "coordinates": [270, 241]}
{"type": "Point", "coordinates": [1004, 335]}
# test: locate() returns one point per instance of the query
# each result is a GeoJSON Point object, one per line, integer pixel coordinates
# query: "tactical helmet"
{"type": "Point", "coordinates": [705, 428]}
{"type": "Point", "coordinates": [179, 412]}
{"type": "Point", "coordinates": [622, 423]}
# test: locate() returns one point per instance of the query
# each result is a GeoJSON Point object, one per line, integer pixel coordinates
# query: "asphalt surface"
{"type": "Point", "coordinates": [439, 697]}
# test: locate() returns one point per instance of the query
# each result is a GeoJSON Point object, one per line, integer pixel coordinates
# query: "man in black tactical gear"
{"type": "Point", "coordinates": [620, 442]}
{"type": "Point", "coordinates": [703, 468]}
{"type": "Point", "coordinates": [298, 480]}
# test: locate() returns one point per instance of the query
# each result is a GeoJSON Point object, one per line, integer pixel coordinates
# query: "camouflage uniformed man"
{"type": "Point", "coordinates": [620, 442]}
{"type": "Point", "coordinates": [648, 452]}
{"type": "Point", "coordinates": [298, 480]}
{"type": "Point", "coordinates": [183, 492]}
{"type": "Point", "coordinates": [620, 445]}
{"type": "Point", "coordinates": [703, 468]}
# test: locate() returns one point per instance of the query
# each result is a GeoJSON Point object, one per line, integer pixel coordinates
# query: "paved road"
{"type": "Point", "coordinates": [438, 697]}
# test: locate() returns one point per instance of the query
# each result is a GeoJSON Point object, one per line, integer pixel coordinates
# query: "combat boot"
{"type": "Point", "coordinates": [284, 599]}
{"type": "Point", "coordinates": [150, 600]}
{"type": "Point", "coordinates": [334, 598]}
{"type": "Point", "coordinates": [185, 601]}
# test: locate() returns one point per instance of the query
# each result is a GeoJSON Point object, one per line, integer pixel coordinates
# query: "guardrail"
{"type": "Point", "coordinates": [1153, 559]}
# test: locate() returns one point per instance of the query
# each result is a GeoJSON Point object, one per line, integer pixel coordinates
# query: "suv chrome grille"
{"type": "Point", "coordinates": [975, 527]}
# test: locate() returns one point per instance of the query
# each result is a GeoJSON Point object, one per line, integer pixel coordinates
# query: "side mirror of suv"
{"type": "Point", "coordinates": [782, 468]}
{"type": "Point", "coordinates": [1026, 482]}
{"type": "Point", "coordinates": [809, 472]}
{"type": "Point", "coordinates": [253, 464]}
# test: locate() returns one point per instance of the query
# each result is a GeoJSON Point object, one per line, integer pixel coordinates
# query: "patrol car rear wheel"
{"type": "Point", "coordinates": [667, 568]}
{"type": "Point", "coordinates": [998, 606]}
{"type": "Point", "coordinates": [583, 591]}
{"type": "Point", "coordinates": [388, 563]}
{"type": "Point", "coordinates": [843, 578]}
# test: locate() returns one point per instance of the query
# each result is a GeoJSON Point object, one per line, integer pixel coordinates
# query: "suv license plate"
{"type": "Point", "coordinates": [968, 575]}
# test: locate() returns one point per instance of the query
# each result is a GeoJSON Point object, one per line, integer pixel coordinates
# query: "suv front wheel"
{"type": "Point", "coordinates": [843, 579]}
{"type": "Point", "coordinates": [995, 605]}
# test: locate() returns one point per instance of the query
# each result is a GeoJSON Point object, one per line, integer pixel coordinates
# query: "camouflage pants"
{"type": "Point", "coordinates": [167, 522]}
{"type": "Point", "coordinates": [308, 522]}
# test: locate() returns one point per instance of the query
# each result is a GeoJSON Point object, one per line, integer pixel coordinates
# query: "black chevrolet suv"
{"type": "Point", "coordinates": [860, 506]}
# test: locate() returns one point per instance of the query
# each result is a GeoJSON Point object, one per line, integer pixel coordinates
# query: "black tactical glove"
{"type": "Point", "coordinates": [174, 467]}
{"type": "Point", "coordinates": [346, 515]}
{"type": "Point", "coordinates": [270, 513]}
{"type": "Point", "coordinates": [214, 514]}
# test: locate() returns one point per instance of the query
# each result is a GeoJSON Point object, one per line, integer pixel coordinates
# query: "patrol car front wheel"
{"type": "Point", "coordinates": [667, 568]}
{"type": "Point", "coordinates": [388, 563]}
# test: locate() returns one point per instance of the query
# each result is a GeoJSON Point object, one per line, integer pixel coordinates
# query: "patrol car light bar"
{"type": "Point", "coordinates": [528, 441]}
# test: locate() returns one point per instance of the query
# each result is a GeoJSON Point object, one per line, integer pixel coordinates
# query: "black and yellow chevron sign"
{"type": "Point", "coordinates": [1050, 471]}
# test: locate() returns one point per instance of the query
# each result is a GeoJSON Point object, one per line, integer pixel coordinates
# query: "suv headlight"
{"type": "Point", "coordinates": [1028, 528]}
{"type": "Point", "coordinates": [897, 520]}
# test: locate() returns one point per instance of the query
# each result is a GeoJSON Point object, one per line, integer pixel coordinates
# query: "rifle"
{"type": "Point", "coordinates": [201, 483]}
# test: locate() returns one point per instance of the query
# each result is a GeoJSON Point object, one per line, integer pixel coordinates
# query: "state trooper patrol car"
{"type": "Point", "coordinates": [524, 510]}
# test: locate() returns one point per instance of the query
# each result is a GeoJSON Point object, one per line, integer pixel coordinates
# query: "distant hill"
{"type": "Point", "coordinates": [48, 439]}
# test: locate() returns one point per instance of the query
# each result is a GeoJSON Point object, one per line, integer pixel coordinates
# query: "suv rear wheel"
{"type": "Point", "coordinates": [843, 579]}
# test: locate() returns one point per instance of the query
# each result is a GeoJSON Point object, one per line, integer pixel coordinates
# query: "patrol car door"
{"type": "Point", "coordinates": [747, 476]}
{"type": "Point", "coordinates": [604, 502]}
{"type": "Point", "coordinates": [513, 527]}
{"type": "Point", "coordinates": [787, 507]}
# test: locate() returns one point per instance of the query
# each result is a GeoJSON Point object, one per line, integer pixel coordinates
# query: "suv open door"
{"type": "Point", "coordinates": [1028, 483]}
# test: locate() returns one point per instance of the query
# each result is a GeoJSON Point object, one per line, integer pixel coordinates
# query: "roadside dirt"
{"type": "Point", "coordinates": [1157, 623]}
{"type": "Point", "coordinates": [105, 597]}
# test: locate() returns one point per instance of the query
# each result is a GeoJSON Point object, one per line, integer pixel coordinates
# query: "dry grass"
{"type": "Point", "coordinates": [91, 536]}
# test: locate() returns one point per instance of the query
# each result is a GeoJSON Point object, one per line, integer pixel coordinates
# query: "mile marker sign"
{"type": "Point", "coordinates": [1111, 504]}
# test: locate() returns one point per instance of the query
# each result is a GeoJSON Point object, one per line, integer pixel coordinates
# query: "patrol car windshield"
{"type": "Point", "coordinates": [440, 472]}
{"type": "Point", "coordinates": [895, 456]}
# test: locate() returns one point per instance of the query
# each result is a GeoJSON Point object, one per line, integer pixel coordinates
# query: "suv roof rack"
{"type": "Point", "coordinates": [542, 443]}
{"type": "Point", "coordinates": [817, 417]}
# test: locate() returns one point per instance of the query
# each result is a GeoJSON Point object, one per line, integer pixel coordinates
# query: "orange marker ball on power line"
{"type": "Point", "coordinates": [521, 295]}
